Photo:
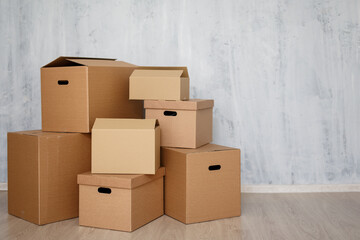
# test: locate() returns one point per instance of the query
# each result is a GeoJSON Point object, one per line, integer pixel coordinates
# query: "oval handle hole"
{"type": "Point", "coordinates": [104, 190]}
{"type": "Point", "coordinates": [170, 113]}
{"type": "Point", "coordinates": [63, 82]}
{"type": "Point", "coordinates": [214, 167]}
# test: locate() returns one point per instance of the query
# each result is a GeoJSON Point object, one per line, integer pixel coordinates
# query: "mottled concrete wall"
{"type": "Point", "coordinates": [284, 74]}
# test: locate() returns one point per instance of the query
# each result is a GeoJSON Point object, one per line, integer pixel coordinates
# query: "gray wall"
{"type": "Point", "coordinates": [284, 74]}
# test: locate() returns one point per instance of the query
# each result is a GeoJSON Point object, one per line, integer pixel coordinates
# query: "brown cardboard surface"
{"type": "Point", "coordinates": [189, 124]}
{"type": "Point", "coordinates": [191, 104]}
{"type": "Point", "coordinates": [42, 171]}
{"type": "Point", "coordinates": [161, 83]}
{"type": "Point", "coordinates": [23, 185]}
{"type": "Point", "coordinates": [193, 193]}
{"type": "Point", "coordinates": [127, 181]}
{"type": "Point", "coordinates": [147, 203]}
{"type": "Point", "coordinates": [125, 146]}
{"type": "Point", "coordinates": [121, 209]}
{"type": "Point", "coordinates": [94, 88]}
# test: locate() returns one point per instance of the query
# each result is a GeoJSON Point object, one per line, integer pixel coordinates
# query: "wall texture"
{"type": "Point", "coordinates": [285, 75]}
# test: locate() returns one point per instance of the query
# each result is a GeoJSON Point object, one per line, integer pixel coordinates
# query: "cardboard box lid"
{"type": "Point", "coordinates": [206, 148]}
{"type": "Point", "coordinates": [124, 123]}
{"type": "Point", "coordinates": [40, 133]}
{"type": "Point", "coordinates": [83, 61]}
{"type": "Point", "coordinates": [126, 181]}
{"type": "Point", "coordinates": [192, 104]}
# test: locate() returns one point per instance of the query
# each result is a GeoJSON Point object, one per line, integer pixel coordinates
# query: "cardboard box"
{"type": "Point", "coordinates": [42, 172]}
{"type": "Point", "coordinates": [166, 83]}
{"type": "Point", "coordinates": [202, 184]}
{"type": "Point", "coordinates": [120, 202]}
{"type": "Point", "coordinates": [75, 91]}
{"type": "Point", "coordinates": [124, 146]}
{"type": "Point", "coordinates": [185, 124]}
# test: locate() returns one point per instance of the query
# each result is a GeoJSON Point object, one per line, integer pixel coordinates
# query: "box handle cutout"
{"type": "Point", "coordinates": [63, 82]}
{"type": "Point", "coordinates": [214, 167]}
{"type": "Point", "coordinates": [170, 113]}
{"type": "Point", "coordinates": [104, 190]}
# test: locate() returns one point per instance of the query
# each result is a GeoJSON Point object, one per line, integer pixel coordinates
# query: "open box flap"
{"type": "Point", "coordinates": [156, 73]}
{"type": "Point", "coordinates": [126, 181]}
{"type": "Point", "coordinates": [184, 69]}
{"type": "Point", "coordinates": [63, 61]}
{"type": "Point", "coordinates": [101, 63]}
{"type": "Point", "coordinates": [124, 123]}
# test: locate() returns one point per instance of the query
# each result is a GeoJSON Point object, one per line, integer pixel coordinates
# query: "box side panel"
{"type": "Point", "coordinates": [64, 99]}
{"type": "Point", "coordinates": [204, 125]}
{"type": "Point", "coordinates": [166, 88]}
{"type": "Point", "coordinates": [23, 192]}
{"type": "Point", "coordinates": [123, 151]}
{"type": "Point", "coordinates": [176, 131]}
{"type": "Point", "coordinates": [184, 88]}
{"type": "Point", "coordinates": [147, 203]}
{"type": "Point", "coordinates": [213, 194]}
{"type": "Point", "coordinates": [175, 184]}
{"type": "Point", "coordinates": [62, 157]}
{"type": "Point", "coordinates": [102, 210]}
{"type": "Point", "coordinates": [109, 94]}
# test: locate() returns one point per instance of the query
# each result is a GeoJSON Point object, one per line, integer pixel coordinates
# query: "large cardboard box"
{"type": "Point", "coordinates": [202, 184]}
{"type": "Point", "coordinates": [165, 83]}
{"type": "Point", "coordinates": [125, 146]}
{"type": "Point", "coordinates": [120, 202]}
{"type": "Point", "coordinates": [185, 124]}
{"type": "Point", "coordinates": [42, 172]}
{"type": "Point", "coordinates": [75, 91]}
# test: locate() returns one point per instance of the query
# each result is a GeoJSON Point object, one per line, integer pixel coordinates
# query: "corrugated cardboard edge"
{"type": "Point", "coordinates": [179, 105]}
{"type": "Point", "coordinates": [111, 180]}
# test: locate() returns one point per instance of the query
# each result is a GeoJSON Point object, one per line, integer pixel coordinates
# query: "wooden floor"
{"type": "Point", "coordinates": [265, 216]}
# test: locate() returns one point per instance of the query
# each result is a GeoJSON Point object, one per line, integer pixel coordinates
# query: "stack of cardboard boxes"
{"type": "Point", "coordinates": [117, 166]}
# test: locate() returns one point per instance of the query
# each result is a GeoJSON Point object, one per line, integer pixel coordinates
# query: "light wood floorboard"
{"type": "Point", "coordinates": [264, 216]}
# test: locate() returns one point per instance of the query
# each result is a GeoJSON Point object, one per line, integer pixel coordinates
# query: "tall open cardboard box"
{"type": "Point", "coordinates": [75, 91]}
{"type": "Point", "coordinates": [202, 184]}
{"type": "Point", "coordinates": [120, 202]}
{"type": "Point", "coordinates": [42, 172]}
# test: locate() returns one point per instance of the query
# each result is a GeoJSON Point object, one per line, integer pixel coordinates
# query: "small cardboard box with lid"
{"type": "Point", "coordinates": [185, 124]}
{"type": "Point", "coordinates": [120, 202]}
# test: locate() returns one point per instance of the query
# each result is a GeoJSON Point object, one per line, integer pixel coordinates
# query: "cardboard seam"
{"type": "Point", "coordinates": [39, 182]}
{"type": "Point", "coordinates": [186, 196]}
{"type": "Point", "coordinates": [88, 99]}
